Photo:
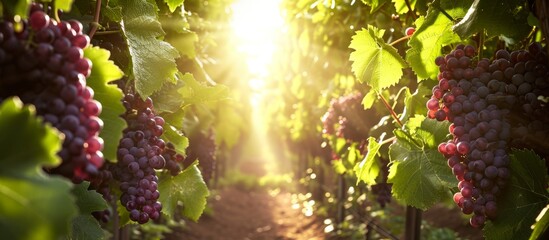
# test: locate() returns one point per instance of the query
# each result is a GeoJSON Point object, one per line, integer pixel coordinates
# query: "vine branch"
{"type": "Point", "coordinates": [391, 110]}
{"type": "Point", "coordinates": [400, 40]}
{"type": "Point", "coordinates": [95, 23]}
{"type": "Point", "coordinates": [410, 10]}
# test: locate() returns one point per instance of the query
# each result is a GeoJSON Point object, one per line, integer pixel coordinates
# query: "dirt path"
{"type": "Point", "coordinates": [239, 214]}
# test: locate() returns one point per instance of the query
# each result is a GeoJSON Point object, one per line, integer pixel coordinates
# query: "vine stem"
{"type": "Point", "coordinates": [107, 32]}
{"type": "Point", "coordinates": [480, 44]}
{"type": "Point", "coordinates": [95, 23]}
{"type": "Point", "coordinates": [400, 40]}
{"type": "Point", "coordinates": [388, 140]}
{"type": "Point", "coordinates": [391, 110]}
{"type": "Point", "coordinates": [410, 9]}
{"type": "Point", "coordinates": [394, 115]}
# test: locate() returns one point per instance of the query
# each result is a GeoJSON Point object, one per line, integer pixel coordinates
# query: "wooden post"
{"type": "Point", "coordinates": [413, 223]}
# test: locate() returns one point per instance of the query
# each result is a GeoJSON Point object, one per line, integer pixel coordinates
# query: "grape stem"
{"type": "Point", "coordinates": [400, 40]}
{"type": "Point", "coordinates": [480, 44]}
{"type": "Point", "coordinates": [95, 23]}
{"type": "Point", "coordinates": [391, 110]}
{"type": "Point", "coordinates": [394, 115]}
{"type": "Point", "coordinates": [97, 33]}
{"type": "Point", "coordinates": [437, 6]}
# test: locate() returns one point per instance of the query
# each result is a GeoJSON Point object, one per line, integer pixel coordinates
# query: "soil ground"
{"type": "Point", "coordinates": [239, 214]}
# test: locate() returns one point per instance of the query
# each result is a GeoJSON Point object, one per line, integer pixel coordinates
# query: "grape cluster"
{"type": "Point", "coordinates": [101, 184]}
{"type": "Point", "coordinates": [347, 118]}
{"type": "Point", "coordinates": [139, 154]}
{"type": "Point", "coordinates": [383, 189]}
{"type": "Point", "coordinates": [42, 62]}
{"type": "Point", "coordinates": [483, 101]}
{"type": "Point", "coordinates": [202, 147]}
{"type": "Point", "coordinates": [173, 159]}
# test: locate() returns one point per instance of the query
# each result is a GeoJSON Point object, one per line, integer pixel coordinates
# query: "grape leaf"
{"type": "Point", "coordinates": [508, 18]}
{"type": "Point", "coordinates": [374, 61]}
{"type": "Point", "coordinates": [432, 33]}
{"type": "Point", "coordinates": [88, 201]}
{"type": "Point", "coordinates": [173, 4]}
{"type": "Point", "coordinates": [194, 92]}
{"type": "Point", "coordinates": [168, 99]}
{"type": "Point", "coordinates": [184, 43]}
{"type": "Point", "coordinates": [86, 227]}
{"type": "Point", "coordinates": [103, 72]}
{"type": "Point", "coordinates": [338, 166]}
{"type": "Point", "coordinates": [401, 7]}
{"type": "Point", "coordinates": [522, 200]}
{"type": "Point", "coordinates": [374, 4]}
{"type": "Point", "coordinates": [114, 13]}
{"type": "Point", "coordinates": [542, 224]}
{"type": "Point", "coordinates": [16, 7]}
{"type": "Point", "coordinates": [369, 99]}
{"type": "Point", "coordinates": [418, 171]}
{"type": "Point", "coordinates": [26, 137]}
{"type": "Point", "coordinates": [33, 204]}
{"type": "Point", "coordinates": [187, 187]}
{"type": "Point", "coordinates": [368, 169]}
{"type": "Point", "coordinates": [171, 134]}
{"type": "Point", "coordinates": [414, 103]}
{"type": "Point", "coordinates": [153, 60]}
{"type": "Point", "coordinates": [229, 125]}
{"type": "Point", "coordinates": [64, 5]}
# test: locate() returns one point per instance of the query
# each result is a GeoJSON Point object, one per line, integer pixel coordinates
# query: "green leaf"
{"type": "Point", "coordinates": [194, 92]}
{"type": "Point", "coordinates": [542, 223]}
{"type": "Point", "coordinates": [33, 205]}
{"type": "Point", "coordinates": [414, 103]}
{"type": "Point", "coordinates": [188, 188]}
{"type": "Point", "coordinates": [369, 99]}
{"type": "Point", "coordinates": [432, 33]}
{"type": "Point", "coordinates": [339, 167]}
{"type": "Point", "coordinates": [401, 7]}
{"type": "Point", "coordinates": [522, 200]}
{"type": "Point", "coordinates": [114, 13]}
{"type": "Point", "coordinates": [173, 4]}
{"type": "Point", "coordinates": [229, 125]}
{"type": "Point", "coordinates": [86, 227]}
{"type": "Point", "coordinates": [431, 131]}
{"type": "Point", "coordinates": [374, 4]}
{"type": "Point", "coordinates": [88, 201]}
{"type": "Point", "coordinates": [153, 60]}
{"type": "Point", "coordinates": [185, 43]}
{"type": "Point", "coordinates": [171, 134]}
{"type": "Point", "coordinates": [168, 99]}
{"type": "Point", "coordinates": [368, 169]}
{"type": "Point", "coordinates": [374, 61]}
{"type": "Point", "coordinates": [64, 5]}
{"type": "Point", "coordinates": [102, 74]}
{"type": "Point", "coordinates": [26, 143]}
{"type": "Point", "coordinates": [418, 171]}
{"type": "Point", "coordinates": [507, 17]}
{"type": "Point", "coordinates": [16, 7]}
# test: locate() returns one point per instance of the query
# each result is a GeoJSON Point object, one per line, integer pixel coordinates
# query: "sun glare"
{"type": "Point", "coordinates": [255, 23]}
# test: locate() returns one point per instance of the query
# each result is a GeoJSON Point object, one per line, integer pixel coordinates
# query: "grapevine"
{"type": "Point", "coordinates": [118, 117]}
{"type": "Point", "coordinates": [202, 147]}
{"type": "Point", "coordinates": [43, 64]}
{"type": "Point", "coordinates": [487, 103]}
{"type": "Point", "coordinates": [347, 118]}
